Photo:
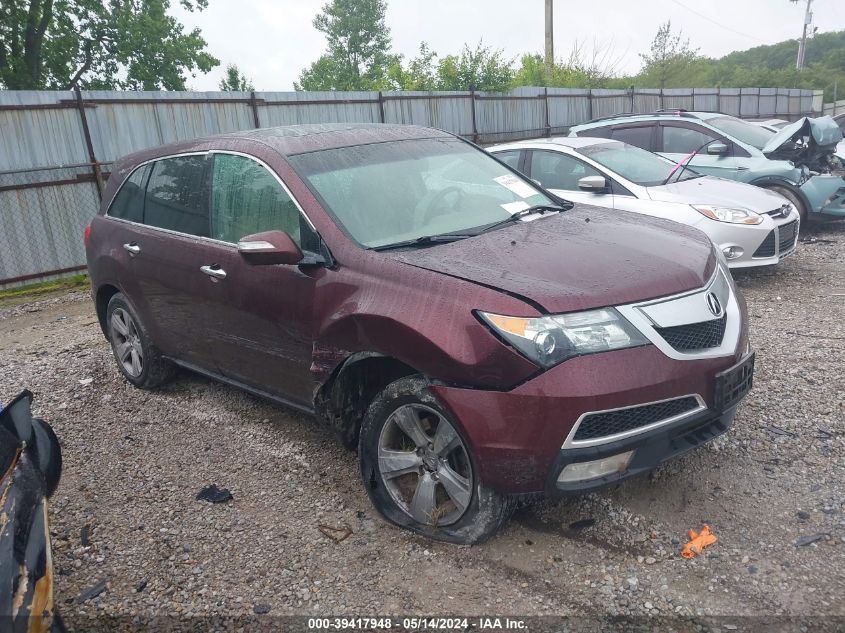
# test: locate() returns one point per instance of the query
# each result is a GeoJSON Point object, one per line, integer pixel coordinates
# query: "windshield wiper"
{"type": "Point", "coordinates": [424, 240]}
{"type": "Point", "coordinates": [537, 208]}
{"type": "Point", "coordinates": [684, 164]}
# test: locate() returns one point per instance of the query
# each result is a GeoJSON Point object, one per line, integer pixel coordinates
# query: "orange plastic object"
{"type": "Point", "coordinates": [698, 542]}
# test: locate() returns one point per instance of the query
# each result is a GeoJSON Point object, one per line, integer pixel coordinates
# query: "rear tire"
{"type": "Point", "coordinates": [138, 359]}
{"type": "Point", "coordinates": [419, 471]}
{"type": "Point", "coordinates": [796, 201]}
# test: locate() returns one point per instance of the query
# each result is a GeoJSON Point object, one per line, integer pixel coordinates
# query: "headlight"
{"type": "Point", "coordinates": [549, 340]}
{"type": "Point", "coordinates": [725, 214]}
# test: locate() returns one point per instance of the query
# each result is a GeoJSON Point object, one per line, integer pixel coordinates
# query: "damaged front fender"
{"type": "Point", "coordinates": [30, 467]}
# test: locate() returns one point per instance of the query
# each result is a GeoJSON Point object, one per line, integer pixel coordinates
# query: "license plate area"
{"type": "Point", "coordinates": [734, 383]}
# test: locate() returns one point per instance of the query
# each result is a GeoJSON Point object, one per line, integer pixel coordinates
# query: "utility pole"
{"type": "Point", "coordinates": [802, 47]}
{"type": "Point", "coordinates": [550, 39]}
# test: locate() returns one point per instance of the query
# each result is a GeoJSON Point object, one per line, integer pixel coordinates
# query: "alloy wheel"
{"type": "Point", "coordinates": [127, 342]}
{"type": "Point", "coordinates": [425, 465]}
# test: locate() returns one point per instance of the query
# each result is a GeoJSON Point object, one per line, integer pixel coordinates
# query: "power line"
{"type": "Point", "coordinates": [727, 28]}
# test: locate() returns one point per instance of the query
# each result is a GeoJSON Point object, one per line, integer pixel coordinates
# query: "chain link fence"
{"type": "Point", "coordinates": [43, 213]}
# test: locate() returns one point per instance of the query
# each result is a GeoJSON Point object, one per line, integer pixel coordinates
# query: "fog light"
{"type": "Point", "coordinates": [583, 471]}
{"type": "Point", "coordinates": [732, 252]}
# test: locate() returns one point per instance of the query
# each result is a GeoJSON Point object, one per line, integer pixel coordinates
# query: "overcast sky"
{"type": "Point", "coordinates": [273, 40]}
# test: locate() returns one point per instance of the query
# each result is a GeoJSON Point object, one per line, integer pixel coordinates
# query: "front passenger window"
{"type": "Point", "coordinates": [246, 199]}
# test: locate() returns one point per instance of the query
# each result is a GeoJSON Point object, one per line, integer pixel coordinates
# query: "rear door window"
{"type": "Point", "coordinates": [128, 204]}
{"type": "Point", "coordinates": [639, 135]}
{"type": "Point", "coordinates": [246, 199]}
{"type": "Point", "coordinates": [684, 140]}
{"type": "Point", "coordinates": [559, 171]}
{"type": "Point", "coordinates": [177, 195]}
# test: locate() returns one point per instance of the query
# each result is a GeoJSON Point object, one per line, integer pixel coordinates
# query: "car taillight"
{"type": "Point", "coordinates": [86, 236]}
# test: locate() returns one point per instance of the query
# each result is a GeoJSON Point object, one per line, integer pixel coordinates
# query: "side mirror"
{"type": "Point", "coordinates": [717, 149]}
{"type": "Point", "coordinates": [268, 248]}
{"type": "Point", "coordinates": [593, 184]}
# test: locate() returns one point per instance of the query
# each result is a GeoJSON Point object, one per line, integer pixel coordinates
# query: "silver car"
{"type": "Point", "coordinates": [750, 225]}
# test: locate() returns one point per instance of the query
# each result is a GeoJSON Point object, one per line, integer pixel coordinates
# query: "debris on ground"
{"type": "Point", "coordinates": [91, 592]}
{"type": "Point", "coordinates": [336, 534]}
{"type": "Point", "coordinates": [809, 540]}
{"type": "Point", "coordinates": [698, 541]}
{"type": "Point", "coordinates": [213, 494]}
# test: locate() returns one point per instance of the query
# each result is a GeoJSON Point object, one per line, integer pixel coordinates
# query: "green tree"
{"type": "Point", "coordinates": [235, 80]}
{"type": "Point", "coordinates": [481, 68]}
{"type": "Point", "coordinates": [420, 73]}
{"type": "Point", "coordinates": [357, 56]}
{"type": "Point", "coordinates": [105, 44]}
{"type": "Point", "coordinates": [669, 60]}
{"type": "Point", "coordinates": [575, 72]}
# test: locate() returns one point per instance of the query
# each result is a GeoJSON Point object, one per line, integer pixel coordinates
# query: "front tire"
{"type": "Point", "coordinates": [138, 359]}
{"type": "Point", "coordinates": [418, 469]}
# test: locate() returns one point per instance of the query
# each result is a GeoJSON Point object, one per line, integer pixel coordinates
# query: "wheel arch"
{"type": "Point", "coordinates": [767, 182]}
{"type": "Point", "coordinates": [101, 301]}
{"type": "Point", "coordinates": [343, 399]}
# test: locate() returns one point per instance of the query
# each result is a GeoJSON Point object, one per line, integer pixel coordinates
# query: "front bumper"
{"type": "Point", "coordinates": [649, 451]}
{"type": "Point", "coordinates": [762, 245]}
{"type": "Point", "coordinates": [517, 436]}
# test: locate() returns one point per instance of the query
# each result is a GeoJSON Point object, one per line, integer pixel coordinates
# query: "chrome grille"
{"type": "Point", "coordinates": [695, 336]}
{"type": "Point", "coordinates": [597, 425]}
{"type": "Point", "coordinates": [780, 212]}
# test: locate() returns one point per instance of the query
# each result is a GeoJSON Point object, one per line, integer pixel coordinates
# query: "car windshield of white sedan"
{"type": "Point", "coordinates": [743, 131]}
{"type": "Point", "coordinates": [636, 165]}
{"type": "Point", "coordinates": [388, 193]}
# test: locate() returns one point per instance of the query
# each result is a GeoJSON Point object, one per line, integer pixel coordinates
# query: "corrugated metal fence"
{"type": "Point", "coordinates": [56, 148]}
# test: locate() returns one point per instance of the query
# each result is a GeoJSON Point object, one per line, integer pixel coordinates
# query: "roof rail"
{"type": "Point", "coordinates": [662, 112]}
{"type": "Point", "coordinates": [621, 115]}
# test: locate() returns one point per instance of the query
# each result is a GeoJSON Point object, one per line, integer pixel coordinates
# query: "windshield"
{"type": "Point", "coordinates": [743, 131]}
{"type": "Point", "coordinates": [385, 193]}
{"type": "Point", "coordinates": [639, 166]}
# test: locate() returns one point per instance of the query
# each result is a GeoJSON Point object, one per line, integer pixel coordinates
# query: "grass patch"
{"type": "Point", "coordinates": [22, 294]}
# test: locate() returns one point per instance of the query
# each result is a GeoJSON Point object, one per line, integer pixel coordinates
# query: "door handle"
{"type": "Point", "coordinates": [132, 248]}
{"type": "Point", "coordinates": [214, 272]}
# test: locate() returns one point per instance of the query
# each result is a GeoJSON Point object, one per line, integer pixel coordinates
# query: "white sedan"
{"type": "Point", "coordinates": [751, 226]}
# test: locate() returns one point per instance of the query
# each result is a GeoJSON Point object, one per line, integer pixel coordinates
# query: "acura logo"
{"type": "Point", "coordinates": [713, 304]}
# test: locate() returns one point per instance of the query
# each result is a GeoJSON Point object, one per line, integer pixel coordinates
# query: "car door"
{"type": "Point", "coordinates": [164, 229]}
{"type": "Point", "coordinates": [561, 172]}
{"type": "Point", "coordinates": [262, 314]}
{"type": "Point", "coordinates": [677, 140]}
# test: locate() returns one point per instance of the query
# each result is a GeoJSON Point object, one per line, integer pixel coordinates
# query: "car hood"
{"type": "Point", "coordinates": [585, 258]}
{"type": "Point", "coordinates": [808, 142]}
{"type": "Point", "coordinates": [718, 191]}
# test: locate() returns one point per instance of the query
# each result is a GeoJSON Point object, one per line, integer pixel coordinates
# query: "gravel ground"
{"type": "Point", "coordinates": [135, 460]}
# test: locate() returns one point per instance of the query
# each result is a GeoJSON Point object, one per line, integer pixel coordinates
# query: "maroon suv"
{"type": "Point", "coordinates": [474, 337]}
